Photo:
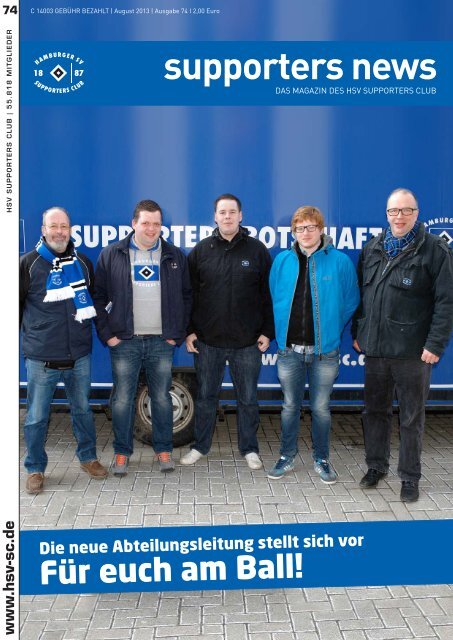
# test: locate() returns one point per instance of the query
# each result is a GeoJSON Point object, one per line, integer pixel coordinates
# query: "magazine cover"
{"type": "Point", "coordinates": [224, 212]}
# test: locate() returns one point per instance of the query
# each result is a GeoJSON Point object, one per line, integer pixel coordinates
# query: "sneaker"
{"type": "Point", "coordinates": [409, 491]}
{"type": "Point", "coordinates": [120, 464]}
{"type": "Point", "coordinates": [325, 471]}
{"type": "Point", "coordinates": [253, 460]}
{"type": "Point", "coordinates": [35, 482]}
{"type": "Point", "coordinates": [282, 466]}
{"type": "Point", "coordinates": [94, 469]}
{"type": "Point", "coordinates": [191, 457]}
{"type": "Point", "coordinates": [371, 478]}
{"type": "Point", "coordinates": [165, 461]}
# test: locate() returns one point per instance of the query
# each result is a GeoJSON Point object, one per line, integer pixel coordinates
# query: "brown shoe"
{"type": "Point", "coordinates": [35, 483]}
{"type": "Point", "coordinates": [94, 469]}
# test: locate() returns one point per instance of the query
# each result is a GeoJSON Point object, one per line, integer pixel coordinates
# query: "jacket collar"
{"type": "Point", "coordinates": [326, 245]}
{"type": "Point", "coordinates": [243, 233]}
{"type": "Point", "coordinates": [378, 241]}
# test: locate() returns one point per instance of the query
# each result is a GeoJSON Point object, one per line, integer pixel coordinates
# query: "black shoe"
{"type": "Point", "coordinates": [409, 491]}
{"type": "Point", "coordinates": [371, 478]}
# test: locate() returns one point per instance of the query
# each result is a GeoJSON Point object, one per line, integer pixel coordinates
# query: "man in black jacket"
{"type": "Point", "coordinates": [231, 321]}
{"type": "Point", "coordinates": [143, 299]}
{"type": "Point", "coordinates": [403, 325]}
{"type": "Point", "coordinates": [55, 316]}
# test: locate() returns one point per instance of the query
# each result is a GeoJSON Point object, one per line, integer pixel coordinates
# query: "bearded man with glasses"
{"type": "Point", "coordinates": [403, 325]}
{"type": "Point", "coordinates": [56, 311]}
{"type": "Point", "coordinates": [314, 293]}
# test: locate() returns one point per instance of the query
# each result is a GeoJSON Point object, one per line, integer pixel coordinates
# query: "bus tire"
{"type": "Point", "coordinates": [183, 399]}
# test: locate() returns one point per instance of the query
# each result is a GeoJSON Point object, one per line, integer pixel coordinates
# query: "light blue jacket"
{"type": "Point", "coordinates": [334, 291]}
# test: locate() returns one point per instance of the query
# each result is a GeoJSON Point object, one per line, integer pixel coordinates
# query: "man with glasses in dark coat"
{"type": "Point", "coordinates": [403, 325]}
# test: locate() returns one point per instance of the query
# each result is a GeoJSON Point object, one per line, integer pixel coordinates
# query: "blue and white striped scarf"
{"type": "Point", "coordinates": [66, 280]}
{"type": "Point", "coordinates": [393, 246]}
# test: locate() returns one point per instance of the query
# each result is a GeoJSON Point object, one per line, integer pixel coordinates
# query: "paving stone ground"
{"type": "Point", "coordinates": [221, 490]}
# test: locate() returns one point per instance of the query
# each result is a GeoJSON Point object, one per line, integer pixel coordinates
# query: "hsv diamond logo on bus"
{"type": "Point", "coordinates": [444, 234]}
{"type": "Point", "coordinates": [443, 227]}
{"type": "Point", "coordinates": [58, 72]}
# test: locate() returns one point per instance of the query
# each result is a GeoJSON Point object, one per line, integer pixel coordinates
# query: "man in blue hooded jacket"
{"type": "Point", "coordinates": [314, 293]}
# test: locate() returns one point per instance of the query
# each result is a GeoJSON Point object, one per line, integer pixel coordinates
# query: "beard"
{"type": "Point", "coordinates": [57, 245]}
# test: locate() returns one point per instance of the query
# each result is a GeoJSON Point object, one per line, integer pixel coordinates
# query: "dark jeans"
{"type": "Point", "coordinates": [410, 378]}
{"type": "Point", "coordinates": [244, 366]}
{"type": "Point", "coordinates": [156, 357]}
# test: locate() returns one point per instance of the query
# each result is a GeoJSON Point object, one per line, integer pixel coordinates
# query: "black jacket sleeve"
{"type": "Point", "coordinates": [192, 261]}
{"type": "Point", "coordinates": [186, 294]}
{"type": "Point", "coordinates": [359, 311]}
{"type": "Point", "coordinates": [101, 299]}
{"type": "Point", "coordinates": [442, 318]}
{"type": "Point", "coordinates": [24, 283]}
{"type": "Point", "coordinates": [268, 328]}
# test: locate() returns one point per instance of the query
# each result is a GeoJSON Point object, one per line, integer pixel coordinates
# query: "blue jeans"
{"type": "Point", "coordinates": [41, 387]}
{"type": "Point", "coordinates": [292, 371]}
{"type": "Point", "coordinates": [245, 364]}
{"type": "Point", "coordinates": [410, 378]}
{"type": "Point", "coordinates": [128, 357]}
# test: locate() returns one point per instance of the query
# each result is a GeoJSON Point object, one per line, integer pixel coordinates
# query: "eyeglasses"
{"type": "Point", "coordinates": [406, 211]}
{"type": "Point", "coordinates": [58, 227]}
{"type": "Point", "coordinates": [308, 227]}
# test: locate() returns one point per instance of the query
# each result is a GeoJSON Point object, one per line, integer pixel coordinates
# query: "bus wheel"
{"type": "Point", "coordinates": [182, 396]}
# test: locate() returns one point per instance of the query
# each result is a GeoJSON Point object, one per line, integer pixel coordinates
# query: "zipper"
{"type": "Point", "coordinates": [306, 288]}
{"type": "Point", "coordinates": [317, 314]}
{"type": "Point", "coordinates": [391, 263]}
